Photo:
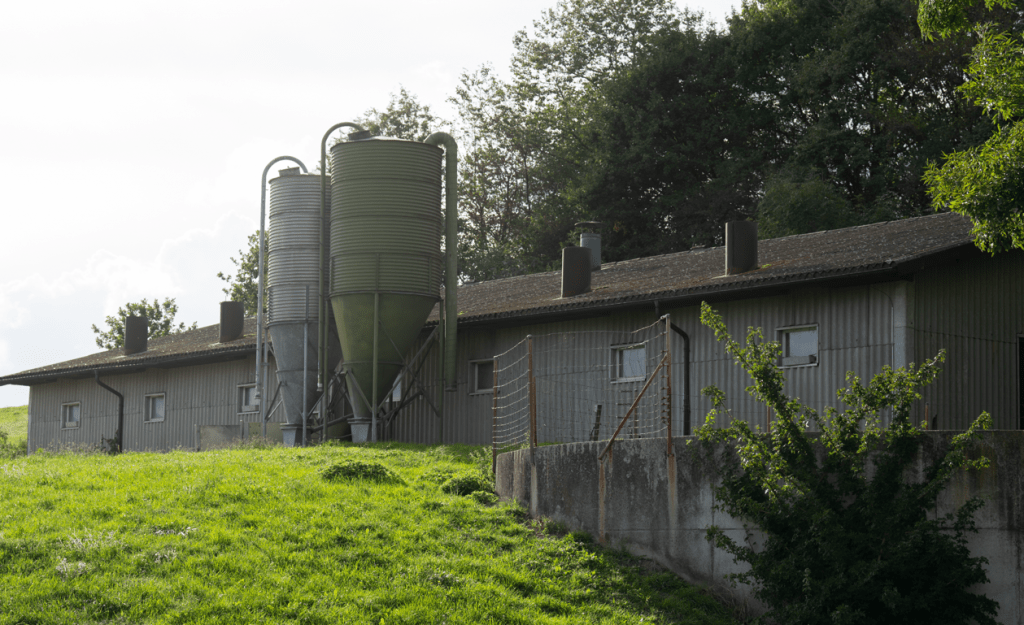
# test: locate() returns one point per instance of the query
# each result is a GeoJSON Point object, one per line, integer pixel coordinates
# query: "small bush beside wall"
{"type": "Point", "coordinates": [847, 537]}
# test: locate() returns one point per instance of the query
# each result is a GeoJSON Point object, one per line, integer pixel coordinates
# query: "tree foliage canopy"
{"type": "Point", "coordinates": [404, 117]}
{"type": "Point", "coordinates": [674, 154]}
{"type": "Point", "coordinates": [528, 140]}
{"type": "Point", "coordinates": [160, 318]}
{"type": "Point", "coordinates": [985, 182]}
{"type": "Point", "coordinates": [243, 286]}
{"type": "Point", "coordinates": [805, 114]}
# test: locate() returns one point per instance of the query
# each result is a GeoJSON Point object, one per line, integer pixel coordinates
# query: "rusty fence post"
{"type": "Point", "coordinates": [668, 385]}
{"type": "Point", "coordinates": [494, 423]}
{"type": "Point", "coordinates": [533, 393]}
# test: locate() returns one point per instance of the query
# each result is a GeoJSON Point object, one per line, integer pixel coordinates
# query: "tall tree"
{"type": "Point", "coordinates": [404, 117]}
{"type": "Point", "coordinates": [985, 182]}
{"type": "Point", "coordinates": [674, 145]}
{"type": "Point", "coordinates": [160, 317]}
{"type": "Point", "coordinates": [243, 286]}
{"type": "Point", "coordinates": [862, 103]}
{"type": "Point", "coordinates": [528, 139]}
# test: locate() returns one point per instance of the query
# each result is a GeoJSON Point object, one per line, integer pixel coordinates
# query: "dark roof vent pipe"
{"type": "Point", "coordinates": [232, 318]}
{"type": "Point", "coordinates": [740, 247]}
{"type": "Point", "coordinates": [591, 241]}
{"type": "Point", "coordinates": [136, 332]}
{"type": "Point", "coordinates": [576, 262]}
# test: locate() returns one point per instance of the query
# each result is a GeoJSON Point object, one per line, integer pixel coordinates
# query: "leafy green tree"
{"type": "Point", "coordinates": [861, 102]}
{"type": "Point", "coordinates": [403, 118]}
{"type": "Point", "coordinates": [801, 202]}
{"type": "Point", "coordinates": [674, 155]}
{"type": "Point", "coordinates": [847, 537]}
{"type": "Point", "coordinates": [244, 285]}
{"type": "Point", "coordinates": [499, 184]}
{"type": "Point", "coordinates": [985, 182]}
{"type": "Point", "coordinates": [160, 317]}
{"type": "Point", "coordinates": [527, 141]}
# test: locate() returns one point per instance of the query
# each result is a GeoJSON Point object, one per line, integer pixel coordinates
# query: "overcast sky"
{"type": "Point", "coordinates": [134, 133]}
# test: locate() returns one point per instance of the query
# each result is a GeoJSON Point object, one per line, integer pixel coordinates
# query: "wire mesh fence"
{"type": "Point", "coordinates": [580, 386]}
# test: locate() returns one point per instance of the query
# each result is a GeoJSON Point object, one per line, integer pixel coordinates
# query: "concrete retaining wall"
{"type": "Point", "coordinates": [658, 506]}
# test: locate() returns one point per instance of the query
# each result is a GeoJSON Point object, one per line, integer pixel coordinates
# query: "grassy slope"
{"type": "Point", "coordinates": [14, 421]}
{"type": "Point", "coordinates": [256, 535]}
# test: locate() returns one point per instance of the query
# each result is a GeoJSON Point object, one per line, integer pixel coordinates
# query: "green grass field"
{"type": "Point", "coordinates": [280, 535]}
{"type": "Point", "coordinates": [14, 421]}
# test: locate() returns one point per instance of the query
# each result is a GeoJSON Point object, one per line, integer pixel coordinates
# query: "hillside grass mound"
{"type": "Point", "coordinates": [14, 421]}
{"type": "Point", "coordinates": [260, 536]}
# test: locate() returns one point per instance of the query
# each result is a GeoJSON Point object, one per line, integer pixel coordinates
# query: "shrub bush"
{"type": "Point", "coordinates": [846, 537]}
{"type": "Point", "coordinates": [9, 450]}
{"type": "Point", "coordinates": [467, 484]}
{"type": "Point", "coordinates": [360, 470]}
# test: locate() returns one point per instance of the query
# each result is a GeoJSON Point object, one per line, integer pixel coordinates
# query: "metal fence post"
{"type": "Point", "coordinates": [668, 386]}
{"type": "Point", "coordinates": [533, 392]}
{"type": "Point", "coordinates": [494, 422]}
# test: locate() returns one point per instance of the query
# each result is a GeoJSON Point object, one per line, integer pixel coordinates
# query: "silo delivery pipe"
{"type": "Point", "coordinates": [260, 339]}
{"type": "Point", "coordinates": [119, 434]}
{"type": "Point", "coordinates": [451, 235]}
{"type": "Point", "coordinates": [324, 320]}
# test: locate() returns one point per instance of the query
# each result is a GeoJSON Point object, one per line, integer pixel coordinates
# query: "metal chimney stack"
{"type": "Point", "coordinates": [136, 334]}
{"type": "Point", "coordinates": [232, 319]}
{"type": "Point", "coordinates": [592, 241]}
{"type": "Point", "coordinates": [740, 247]}
{"type": "Point", "coordinates": [576, 263]}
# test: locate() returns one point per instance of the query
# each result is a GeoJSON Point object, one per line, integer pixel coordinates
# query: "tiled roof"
{"type": "Point", "coordinates": [875, 252]}
{"type": "Point", "coordinates": [880, 251]}
{"type": "Point", "coordinates": [191, 347]}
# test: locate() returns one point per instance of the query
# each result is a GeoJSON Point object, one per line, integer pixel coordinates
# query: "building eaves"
{"type": "Point", "coordinates": [874, 252]}
{"type": "Point", "coordinates": [869, 253]}
{"type": "Point", "coordinates": [193, 347]}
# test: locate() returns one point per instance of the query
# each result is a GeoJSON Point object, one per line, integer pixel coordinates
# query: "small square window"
{"type": "Point", "coordinates": [154, 408]}
{"type": "Point", "coordinates": [396, 390]}
{"type": "Point", "coordinates": [799, 346]}
{"type": "Point", "coordinates": [630, 363]}
{"type": "Point", "coordinates": [247, 401]}
{"type": "Point", "coordinates": [70, 415]}
{"type": "Point", "coordinates": [483, 376]}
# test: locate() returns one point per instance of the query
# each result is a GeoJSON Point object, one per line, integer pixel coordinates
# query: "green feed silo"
{"type": "Point", "coordinates": [385, 267]}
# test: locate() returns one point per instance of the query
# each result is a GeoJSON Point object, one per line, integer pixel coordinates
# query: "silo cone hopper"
{"type": "Point", "coordinates": [385, 260]}
{"type": "Point", "coordinates": [293, 270]}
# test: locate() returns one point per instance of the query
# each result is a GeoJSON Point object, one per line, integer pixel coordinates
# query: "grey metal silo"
{"type": "Point", "coordinates": [385, 260]}
{"type": "Point", "coordinates": [292, 271]}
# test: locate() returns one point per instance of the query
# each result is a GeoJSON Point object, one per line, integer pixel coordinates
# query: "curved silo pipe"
{"type": "Point", "coordinates": [451, 235]}
{"type": "Point", "coordinates": [261, 350]}
{"type": "Point", "coordinates": [323, 323]}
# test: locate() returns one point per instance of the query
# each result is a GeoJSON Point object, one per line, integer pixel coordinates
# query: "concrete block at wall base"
{"type": "Point", "coordinates": [219, 436]}
{"type": "Point", "coordinates": [361, 430]}
{"type": "Point", "coordinates": [627, 501]}
{"type": "Point", "coordinates": [253, 431]}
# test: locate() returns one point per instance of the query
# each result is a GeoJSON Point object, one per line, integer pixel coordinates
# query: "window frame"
{"type": "Point", "coordinates": [146, 416]}
{"type": "Point", "coordinates": [796, 362]}
{"type": "Point", "coordinates": [617, 364]}
{"type": "Point", "coordinates": [242, 407]}
{"type": "Point", "coordinates": [64, 415]}
{"type": "Point", "coordinates": [474, 376]}
{"type": "Point", "coordinates": [395, 396]}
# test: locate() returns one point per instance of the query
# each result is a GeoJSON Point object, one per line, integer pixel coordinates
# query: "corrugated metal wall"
{"type": "Point", "coordinates": [975, 311]}
{"type": "Point", "coordinates": [197, 395]}
{"type": "Point", "coordinates": [854, 334]}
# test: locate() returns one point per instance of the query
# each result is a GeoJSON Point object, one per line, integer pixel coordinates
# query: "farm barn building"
{"type": "Point", "coordinates": [855, 299]}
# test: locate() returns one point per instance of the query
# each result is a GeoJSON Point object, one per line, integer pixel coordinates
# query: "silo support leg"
{"type": "Point", "coordinates": [376, 361]}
